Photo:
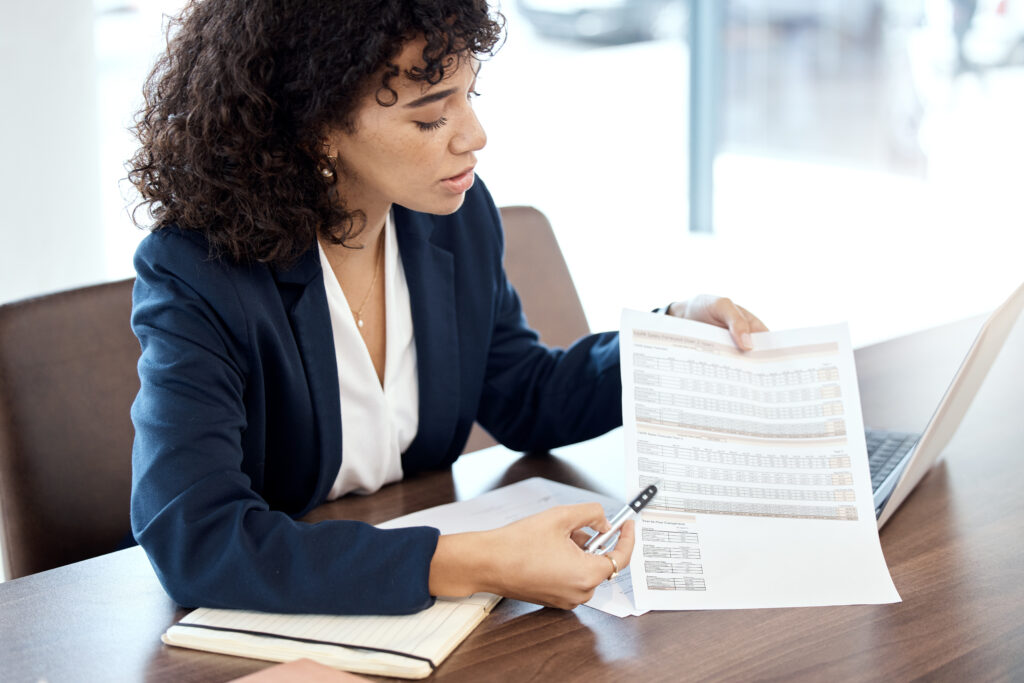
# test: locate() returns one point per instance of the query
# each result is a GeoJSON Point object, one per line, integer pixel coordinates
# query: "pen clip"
{"type": "Point", "coordinates": [643, 498]}
{"type": "Point", "coordinates": [600, 543]}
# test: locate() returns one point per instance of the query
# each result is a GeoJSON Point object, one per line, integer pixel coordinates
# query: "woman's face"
{"type": "Point", "coordinates": [419, 152]}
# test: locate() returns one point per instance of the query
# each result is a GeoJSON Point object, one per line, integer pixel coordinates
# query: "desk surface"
{"type": "Point", "coordinates": [952, 550]}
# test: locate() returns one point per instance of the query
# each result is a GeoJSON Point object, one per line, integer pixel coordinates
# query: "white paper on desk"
{"type": "Point", "coordinates": [513, 502]}
{"type": "Point", "coordinates": [764, 493]}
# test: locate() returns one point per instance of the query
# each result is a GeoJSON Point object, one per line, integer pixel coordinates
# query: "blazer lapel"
{"type": "Point", "coordinates": [305, 300]}
{"type": "Point", "coordinates": [430, 273]}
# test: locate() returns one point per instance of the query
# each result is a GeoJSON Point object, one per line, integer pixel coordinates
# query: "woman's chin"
{"type": "Point", "coordinates": [442, 207]}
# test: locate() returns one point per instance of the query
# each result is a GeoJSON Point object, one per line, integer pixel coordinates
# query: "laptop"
{"type": "Point", "coordinates": [898, 460]}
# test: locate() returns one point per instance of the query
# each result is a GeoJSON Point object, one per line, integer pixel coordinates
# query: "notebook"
{"type": "Point", "coordinates": [899, 460]}
{"type": "Point", "coordinates": [407, 646]}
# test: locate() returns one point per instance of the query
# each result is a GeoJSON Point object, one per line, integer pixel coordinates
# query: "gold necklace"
{"type": "Point", "coordinates": [358, 313]}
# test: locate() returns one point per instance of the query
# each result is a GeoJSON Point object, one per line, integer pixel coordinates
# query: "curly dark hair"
{"type": "Point", "coordinates": [232, 133]}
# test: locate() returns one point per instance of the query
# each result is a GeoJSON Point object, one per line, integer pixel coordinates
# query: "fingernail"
{"type": "Point", "coordinates": [745, 340]}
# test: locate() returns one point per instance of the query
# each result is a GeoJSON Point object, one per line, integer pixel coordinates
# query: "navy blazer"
{"type": "Point", "coordinates": [238, 428]}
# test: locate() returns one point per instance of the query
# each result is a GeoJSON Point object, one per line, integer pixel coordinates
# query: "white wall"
{"type": "Point", "coordinates": [49, 199]}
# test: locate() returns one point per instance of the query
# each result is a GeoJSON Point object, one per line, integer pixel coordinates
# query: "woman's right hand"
{"type": "Point", "coordinates": [537, 559]}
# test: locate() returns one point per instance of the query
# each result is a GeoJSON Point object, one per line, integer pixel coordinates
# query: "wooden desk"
{"type": "Point", "coordinates": [953, 550]}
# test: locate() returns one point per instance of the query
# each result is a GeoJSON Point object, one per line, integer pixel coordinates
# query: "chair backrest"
{"type": "Point", "coordinates": [67, 381]}
{"type": "Point", "coordinates": [536, 268]}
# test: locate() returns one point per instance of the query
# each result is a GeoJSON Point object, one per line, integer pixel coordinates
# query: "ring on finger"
{"type": "Point", "coordinates": [615, 568]}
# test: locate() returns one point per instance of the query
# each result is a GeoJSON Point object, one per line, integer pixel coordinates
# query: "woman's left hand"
{"type": "Point", "coordinates": [720, 311]}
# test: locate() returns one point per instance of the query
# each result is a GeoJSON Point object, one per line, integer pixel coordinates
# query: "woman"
{"type": "Point", "coordinates": [322, 310]}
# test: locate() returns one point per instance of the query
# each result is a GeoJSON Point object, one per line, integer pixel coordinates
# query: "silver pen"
{"type": "Point", "coordinates": [596, 543]}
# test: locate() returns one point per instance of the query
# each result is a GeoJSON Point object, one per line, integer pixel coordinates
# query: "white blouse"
{"type": "Point", "coordinates": [377, 422]}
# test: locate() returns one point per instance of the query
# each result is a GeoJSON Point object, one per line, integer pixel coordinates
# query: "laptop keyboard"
{"type": "Point", "coordinates": [885, 450]}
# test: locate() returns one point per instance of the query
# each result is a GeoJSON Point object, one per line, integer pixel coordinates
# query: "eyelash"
{"type": "Point", "coordinates": [427, 126]}
{"type": "Point", "coordinates": [432, 125]}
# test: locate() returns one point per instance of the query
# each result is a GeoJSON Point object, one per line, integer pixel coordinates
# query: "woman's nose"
{"type": "Point", "coordinates": [469, 135]}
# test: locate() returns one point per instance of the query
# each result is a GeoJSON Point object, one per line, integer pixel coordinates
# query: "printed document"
{"type": "Point", "coordinates": [764, 497]}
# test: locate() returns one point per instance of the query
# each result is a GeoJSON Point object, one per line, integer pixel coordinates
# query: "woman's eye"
{"type": "Point", "coordinates": [432, 125]}
{"type": "Point", "coordinates": [471, 94]}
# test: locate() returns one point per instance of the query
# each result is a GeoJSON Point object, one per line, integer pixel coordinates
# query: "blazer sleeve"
{"type": "Point", "coordinates": [539, 398]}
{"type": "Point", "coordinates": [212, 539]}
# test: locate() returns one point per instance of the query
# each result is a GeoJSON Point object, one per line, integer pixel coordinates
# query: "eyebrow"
{"type": "Point", "coordinates": [432, 97]}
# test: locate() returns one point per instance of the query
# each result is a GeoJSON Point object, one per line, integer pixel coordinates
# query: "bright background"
{"type": "Point", "coordinates": [864, 174]}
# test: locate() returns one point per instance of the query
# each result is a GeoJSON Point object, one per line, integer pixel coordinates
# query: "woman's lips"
{"type": "Point", "coordinates": [458, 184]}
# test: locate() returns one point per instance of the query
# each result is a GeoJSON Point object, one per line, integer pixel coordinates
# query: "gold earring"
{"type": "Point", "coordinates": [327, 171]}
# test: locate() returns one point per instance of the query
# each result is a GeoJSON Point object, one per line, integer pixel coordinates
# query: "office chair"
{"type": "Point", "coordinates": [67, 381]}
{"type": "Point", "coordinates": [535, 267]}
